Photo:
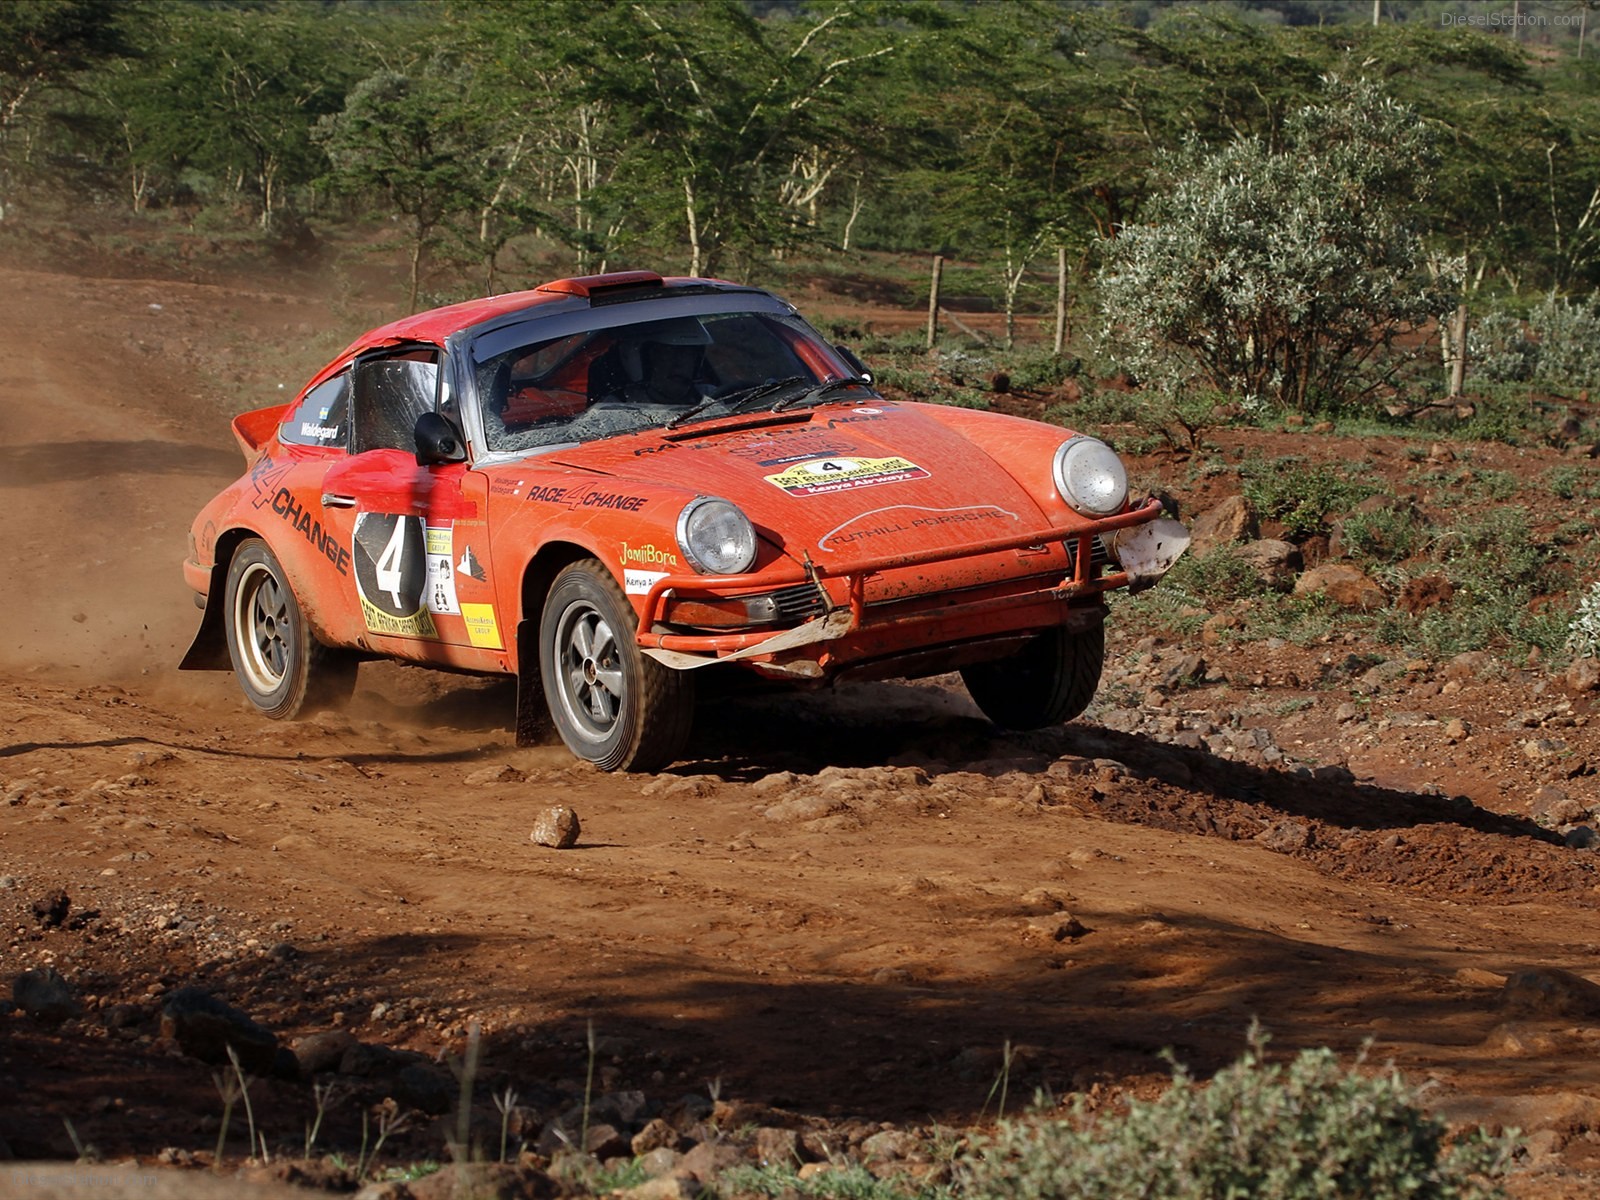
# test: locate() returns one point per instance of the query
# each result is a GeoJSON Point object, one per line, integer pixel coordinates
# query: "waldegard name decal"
{"type": "Point", "coordinates": [823, 475]}
{"type": "Point", "coordinates": [301, 521]}
{"type": "Point", "coordinates": [902, 518]}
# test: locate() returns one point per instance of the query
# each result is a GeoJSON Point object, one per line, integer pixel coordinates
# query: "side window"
{"type": "Point", "coordinates": [322, 416]}
{"type": "Point", "coordinates": [388, 397]}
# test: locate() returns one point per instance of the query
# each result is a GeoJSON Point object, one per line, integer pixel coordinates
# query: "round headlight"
{"type": "Point", "coordinates": [1091, 477]}
{"type": "Point", "coordinates": [716, 537]}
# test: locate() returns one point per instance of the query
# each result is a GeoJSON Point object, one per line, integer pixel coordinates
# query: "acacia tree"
{"type": "Point", "coordinates": [413, 140]}
{"type": "Point", "coordinates": [1285, 275]}
{"type": "Point", "coordinates": [43, 44]}
{"type": "Point", "coordinates": [714, 110]}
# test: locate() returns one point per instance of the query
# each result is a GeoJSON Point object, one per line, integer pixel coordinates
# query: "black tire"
{"type": "Point", "coordinates": [281, 666]}
{"type": "Point", "coordinates": [611, 704]}
{"type": "Point", "coordinates": [1048, 682]}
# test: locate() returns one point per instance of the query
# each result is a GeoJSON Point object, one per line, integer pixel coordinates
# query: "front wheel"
{"type": "Point", "coordinates": [611, 704]}
{"type": "Point", "coordinates": [1047, 682]}
{"type": "Point", "coordinates": [281, 666]}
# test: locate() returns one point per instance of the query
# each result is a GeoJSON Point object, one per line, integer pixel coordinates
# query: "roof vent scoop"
{"type": "Point", "coordinates": [592, 286]}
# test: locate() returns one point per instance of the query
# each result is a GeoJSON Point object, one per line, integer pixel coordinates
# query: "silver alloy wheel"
{"type": "Point", "coordinates": [590, 676]}
{"type": "Point", "coordinates": [264, 628]}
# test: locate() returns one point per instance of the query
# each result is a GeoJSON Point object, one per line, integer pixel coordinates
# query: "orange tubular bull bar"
{"type": "Point", "coordinates": [856, 573]}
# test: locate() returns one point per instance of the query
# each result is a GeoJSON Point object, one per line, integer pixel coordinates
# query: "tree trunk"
{"type": "Point", "coordinates": [694, 230]}
{"type": "Point", "coordinates": [1458, 341]}
{"type": "Point", "coordinates": [933, 301]}
{"type": "Point", "coordinates": [1061, 300]}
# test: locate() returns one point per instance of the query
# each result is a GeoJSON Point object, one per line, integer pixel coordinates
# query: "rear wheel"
{"type": "Point", "coordinates": [611, 704]}
{"type": "Point", "coordinates": [281, 666]}
{"type": "Point", "coordinates": [1047, 682]}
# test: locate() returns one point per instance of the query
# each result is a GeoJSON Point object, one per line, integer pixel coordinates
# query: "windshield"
{"type": "Point", "coordinates": [599, 383]}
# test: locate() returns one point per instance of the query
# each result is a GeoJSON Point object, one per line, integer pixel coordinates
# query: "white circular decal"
{"type": "Point", "coordinates": [830, 466]}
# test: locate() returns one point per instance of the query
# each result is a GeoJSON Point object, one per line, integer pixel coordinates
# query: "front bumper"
{"type": "Point", "coordinates": [1147, 556]}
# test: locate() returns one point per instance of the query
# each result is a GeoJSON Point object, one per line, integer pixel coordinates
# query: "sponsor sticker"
{"type": "Point", "coordinates": [906, 518]}
{"type": "Point", "coordinates": [482, 630]}
{"type": "Point", "coordinates": [639, 583]}
{"type": "Point", "coordinates": [820, 476]}
{"type": "Point", "coordinates": [580, 497]}
{"type": "Point", "coordinates": [470, 566]}
{"type": "Point", "coordinates": [651, 554]}
{"type": "Point", "coordinates": [441, 589]}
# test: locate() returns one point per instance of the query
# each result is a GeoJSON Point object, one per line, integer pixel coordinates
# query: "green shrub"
{"type": "Point", "coordinates": [1494, 554]}
{"type": "Point", "coordinates": [1302, 497]}
{"type": "Point", "coordinates": [1569, 343]}
{"type": "Point", "coordinates": [1306, 1130]}
{"type": "Point", "coordinates": [1388, 535]}
{"type": "Point", "coordinates": [1041, 371]}
{"type": "Point", "coordinates": [1099, 407]}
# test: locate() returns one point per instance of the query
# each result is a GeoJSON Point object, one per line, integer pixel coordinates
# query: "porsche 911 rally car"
{"type": "Point", "coordinates": [607, 484]}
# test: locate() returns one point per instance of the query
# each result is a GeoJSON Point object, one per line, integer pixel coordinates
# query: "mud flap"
{"type": "Point", "coordinates": [533, 716]}
{"type": "Point", "coordinates": [209, 650]}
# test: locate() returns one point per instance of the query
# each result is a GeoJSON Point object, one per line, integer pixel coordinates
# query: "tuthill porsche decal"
{"type": "Point", "coordinates": [820, 476]}
{"type": "Point", "coordinates": [901, 518]}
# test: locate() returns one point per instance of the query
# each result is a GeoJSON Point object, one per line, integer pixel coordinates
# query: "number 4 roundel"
{"type": "Point", "coordinates": [391, 565]}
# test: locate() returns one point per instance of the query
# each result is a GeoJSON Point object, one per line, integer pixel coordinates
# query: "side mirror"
{"type": "Point", "coordinates": [859, 367]}
{"type": "Point", "coordinates": [437, 441]}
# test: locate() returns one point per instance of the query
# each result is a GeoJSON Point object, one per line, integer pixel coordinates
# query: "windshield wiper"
{"type": "Point", "coordinates": [738, 399]}
{"type": "Point", "coordinates": [821, 391]}
{"type": "Point", "coordinates": [709, 402]}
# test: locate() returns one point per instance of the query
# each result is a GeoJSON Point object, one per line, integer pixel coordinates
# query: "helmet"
{"type": "Point", "coordinates": [674, 331]}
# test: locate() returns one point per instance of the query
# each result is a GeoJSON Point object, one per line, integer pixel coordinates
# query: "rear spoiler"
{"type": "Point", "coordinates": [250, 429]}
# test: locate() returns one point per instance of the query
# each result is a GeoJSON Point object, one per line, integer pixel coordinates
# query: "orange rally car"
{"type": "Point", "coordinates": [608, 484]}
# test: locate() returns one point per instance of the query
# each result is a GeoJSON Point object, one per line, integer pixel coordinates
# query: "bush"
{"type": "Point", "coordinates": [1583, 635]}
{"type": "Point", "coordinates": [1302, 497]}
{"type": "Point", "coordinates": [1390, 534]}
{"type": "Point", "coordinates": [1569, 343]}
{"type": "Point", "coordinates": [1499, 349]}
{"type": "Point", "coordinates": [1290, 274]}
{"type": "Point", "coordinates": [1558, 348]}
{"type": "Point", "coordinates": [1307, 1130]}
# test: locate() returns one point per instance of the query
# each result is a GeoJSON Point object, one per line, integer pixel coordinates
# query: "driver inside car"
{"type": "Point", "coordinates": [664, 363]}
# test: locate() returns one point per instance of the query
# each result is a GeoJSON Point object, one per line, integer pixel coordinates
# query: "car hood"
{"type": "Point", "coordinates": [875, 479]}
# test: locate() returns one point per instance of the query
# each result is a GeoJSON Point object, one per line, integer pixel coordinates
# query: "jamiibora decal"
{"type": "Point", "coordinates": [822, 475]}
{"type": "Point", "coordinates": [648, 554]}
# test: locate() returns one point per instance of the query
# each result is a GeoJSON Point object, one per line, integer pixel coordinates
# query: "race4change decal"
{"type": "Point", "coordinates": [391, 566]}
{"type": "Point", "coordinates": [822, 475]}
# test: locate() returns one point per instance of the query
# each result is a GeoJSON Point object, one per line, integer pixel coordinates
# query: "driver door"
{"type": "Point", "coordinates": [419, 549]}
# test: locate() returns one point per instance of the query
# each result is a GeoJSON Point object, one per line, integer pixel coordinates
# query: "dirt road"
{"type": "Point", "coordinates": [855, 905]}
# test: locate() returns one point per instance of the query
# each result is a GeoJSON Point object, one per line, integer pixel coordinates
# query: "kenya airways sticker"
{"type": "Point", "coordinates": [821, 475]}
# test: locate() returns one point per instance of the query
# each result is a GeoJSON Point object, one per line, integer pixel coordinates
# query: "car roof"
{"type": "Point", "coordinates": [437, 324]}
